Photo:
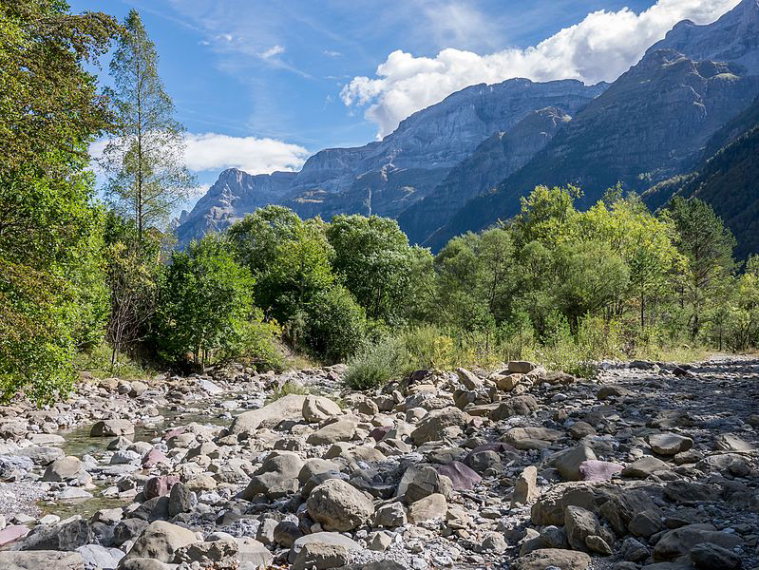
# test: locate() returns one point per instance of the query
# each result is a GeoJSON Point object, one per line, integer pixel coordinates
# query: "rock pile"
{"type": "Point", "coordinates": [640, 467]}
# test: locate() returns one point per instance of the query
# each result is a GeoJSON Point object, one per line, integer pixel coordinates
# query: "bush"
{"type": "Point", "coordinates": [334, 327]}
{"type": "Point", "coordinates": [377, 364]}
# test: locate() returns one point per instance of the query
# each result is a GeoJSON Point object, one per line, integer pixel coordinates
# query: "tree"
{"type": "Point", "coordinates": [50, 275]}
{"type": "Point", "coordinates": [145, 158]}
{"type": "Point", "coordinates": [375, 262]}
{"type": "Point", "coordinates": [205, 305]}
{"type": "Point", "coordinates": [707, 246]}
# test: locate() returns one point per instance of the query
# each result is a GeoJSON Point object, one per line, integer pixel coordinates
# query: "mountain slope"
{"type": "Point", "coordinates": [386, 177]}
{"type": "Point", "coordinates": [651, 124]}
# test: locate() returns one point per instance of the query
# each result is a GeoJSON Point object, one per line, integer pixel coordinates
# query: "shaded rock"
{"type": "Point", "coordinates": [469, 379]}
{"type": "Point", "coordinates": [317, 556]}
{"type": "Point", "coordinates": [159, 486]}
{"type": "Point", "coordinates": [568, 463]}
{"type": "Point", "coordinates": [520, 367]}
{"type": "Point", "coordinates": [712, 557]}
{"type": "Point", "coordinates": [340, 430]}
{"type": "Point", "coordinates": [643, 467]}
{"type": "Point", "coordinates": [67, 536]}
{"type": "Point", "coordinates": [681, 541]}
{"type": "Point", "coordinates": [181, 500]}
{"type": "Point", "coordinates": [522, 405]}
{"type": "Point", "coordinates": [460, 475]}
{"type": "Point", "coordinates": [420, 481]}
{"type": "Point", "coordinates": [390, 516]}
{"type": "Point", "coordinates": [277, 477]}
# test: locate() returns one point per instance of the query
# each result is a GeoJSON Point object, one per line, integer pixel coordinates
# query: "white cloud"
{"type": "Point", "coordinates": [214, 152]}
{"type": "Point", "coordinates": [600, 48]}
{"type": "Point", "coordinates": [273, 52]}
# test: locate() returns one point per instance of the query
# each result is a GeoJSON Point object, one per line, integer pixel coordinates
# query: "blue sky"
{"type": "Point", "coordinates": [261, 84]}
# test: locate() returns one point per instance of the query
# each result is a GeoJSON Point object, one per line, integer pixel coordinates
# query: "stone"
{"type": "Point", "coordinates": [633, 550]}
{"type": "Point", "coordinates": [522, 405]}
{"type": "Point", "coordinates": [288, 407]}
{"type": "Point", "coordinates": [181, 500]}
{"type": "Point", "coordinates": [141, 564]}
{"type": "Point", "coordinates": [153, 458]}
{"type": "Point", "coordinates": [137, 389]}
{"type": "Point", "coordinates": [64, 469]}
{"type": "Point", "coordinates": [340, 430]}
{"type": "Point", "coordinates": [40, 560]}
{"type": "Point", "coordinates": [331, 538]}
{"type": "Point", "coordinates": [391, 515]}
{"type": "Point", "coordinates": [612, 391]}
{"type": "Point", "coordinates": [318, 408]}
{"type": "Point", "coordinates": [568, 463]}
{"type": "Point", "coordinates": [645, 524]}
{"type": "Point", "coordinates": [286, 533]}
{"type": "Point", "coordinates": [420, 481]}
{"type": "Point", "coordinates": [580, 524]}
{"type": "Point", "coordinates": [252, 553]}
{"type": "Point", "coordinates": [712, 557]}
{"type": "Point", "coordinates": [669, 443]}
{"type": "Point", "coordinates": [461, 476]}
{"type": "Point", "coordinates": [468, 379]}
{"type": "Point", "coordinates": [379, 541]}
{"type": "Point", "coordinates": [731, 442]}
{"type": "Point", "coordinates": [277, 476]}
{"type": "Point", "coordinates": [643, 467]}
{"type": "Point", "coordinates": [317, 556]}
{"type": "Point", "coordinates": [68, 535]}
{"type": "Point", "coordinates": [544, 558]}
{"type": "Point", "coordinates": [440, 424]}
{"type": "Point", "coordinates": [100, 557]}
{"type": "Point", "coordinates": [160, 541]}
{"type": "Point", "coordinates": [212, 553]}
{"type": "Point", "coordinates": [525, 487]}
{"type": "Point", "coordinates": [112, 428]}
{"type": "Point", "coordinates": [159, 486]}
{"type": "Point", "coordinates": [520, 367]}
{"type": "Point", "coordinates": [579, 430]}
{"type": "Point", "coordinates": [12, 533]}
{"type": "Point", "coordinates": [595, 470]}
{"type": "Point", "coordinates": [432, 507]}
{"type": "Point", "coordinates": [339, 506]}
{"type": "Point", "coordinates": [316, 466]}
{"type": "Point", "coordinates": [128, 529]}
{"type": "Point", "coordinates": [679, 542]}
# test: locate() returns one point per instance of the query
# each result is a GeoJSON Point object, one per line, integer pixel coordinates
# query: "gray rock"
{"type": "Point", "coordinates": [41, 560]}
{"type": "Point", "coordinates": [339, 506]}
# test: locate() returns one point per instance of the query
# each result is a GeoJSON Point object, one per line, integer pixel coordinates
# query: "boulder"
{"type": "Point", "coordinates": [643, 467]}
{"type": "Point", "coordinates": [68, 536]}
{"type": "Point", "coordinates": [553, 558]}
{"type": "Point", "coordinates": [681, 541]}
{"type": "Point", "coordinates": [669, 443]}
{"type": "Point", "coordinates": [440, 424]}
{"type": "Point", "coordinates": [160, 541]}
{"type": "Point", "coordinates": [594, 470]}
{"type": "Point", "coordinates": [568, 462]}
{"type": "Point", "coordinates": [112, 428]}
{"type": "Point", "coordinates": [420, 481]}
{"type": "Point", "coordinates": [712, 557]}
{"type": "Point", "coordinates": [277, 476]}
{"type": "Point", "coordinates": [64, 469]}
{"type": "Point", "coordinates": [317, 556]}
{"type": "Point", "coordinates": [461, 476]}
{"type": "Point", "coordinates": [525, 487]}
{"type": "Point", "coordinates": [332, 538]}
{"type": "Point", "coordinates": [520, 367]}
{"type": "Point", "coordinates": [288, 407]}
{"type": "Point", "coordinates": [340, 430]}
{"type": "Point", "coordinates": [468, 379]}
{"type": "Point", "coordinates": [100, 557]}
{"type": "Point", "coordinates": [339, 506]}
{"type": "Point", "coordinates": [318, 408]}
{"type": "Point", "coordinates": [159, 486]}
{"type": "Point", "coordinates": [432, 507]}
{"type": "Point", "coordinates": [522, 405]}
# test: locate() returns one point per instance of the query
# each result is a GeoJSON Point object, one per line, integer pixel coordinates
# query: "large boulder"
{"type": "Point", "coordinates": [681, 541]}
{"type": "Point", "coordinates": [669, 443]}
{"type": "Point", "coordinates": [66, 536]}
{"type": "Point", "coordinates": [440, 424]}
{"type": "Point", "coordinates": [160, 541]}
{"type": "Point", "coordinates": [288, 407]}
{"type": "Point", "coordinates": [64, 469]}
{"type": "Point", "coordinates": [331, 538]}
{"type": "Point", "coordinates": [553, 558]}
{"type": "Point", "coordinates": [522, 405]}
{"type": "Point", "coordinates": [340, 430]}
{"type": "Point", "coordinates": [568, 463]}
{"type": "Point", "coordinates": [277, 476]}
{"type": "Point", "coordinates": [339, 506]}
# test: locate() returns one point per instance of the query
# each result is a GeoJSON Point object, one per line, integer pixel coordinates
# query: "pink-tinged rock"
{"type": "Point", "coordinates": [159, 486]}
{"type": "Point", "coordinates": [379, 433]}
{"type": "Point", "coordinates": [460, 475]}
{"type": "Point", "coordinates": [153, 458]}
{"type": "Point", "coordinates": [12, 534]}
{"type": "Point", "coordinates": [594, 470]}
{"type": "Point", "coordinates": [174, 432]}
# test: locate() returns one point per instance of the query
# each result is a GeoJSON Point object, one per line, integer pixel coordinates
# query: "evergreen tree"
{"type": "Point", "coordinates": [145, 158]}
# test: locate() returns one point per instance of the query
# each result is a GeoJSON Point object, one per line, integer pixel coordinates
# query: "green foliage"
{"type": "Point", "coordinates": [205, 307]}
{"type": "Point", "coordinates": [334, 325]}
{"type": "Point", "coordinates": [377, 364]}
{"type": "Point", "coordinates": [375, 262]}
{"type": "Point", "coordinates": [288, 388]}
{"type": "Point", "coordinates": [51, 289]}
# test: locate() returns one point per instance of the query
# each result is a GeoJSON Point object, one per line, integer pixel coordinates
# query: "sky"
{"type": "Point", "coordinates": [262, 84]}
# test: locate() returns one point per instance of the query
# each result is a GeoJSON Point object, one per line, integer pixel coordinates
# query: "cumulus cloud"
{"type": "Point", "coordinates": [600, 48]}
{"type": "Point", "coordinates": [214, 152]}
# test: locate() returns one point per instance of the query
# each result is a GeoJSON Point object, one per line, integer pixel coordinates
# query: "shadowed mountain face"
{"type": "Point", "coordinates": [386, 177]}
{"type": "Point", "coordinates": [651, 124]}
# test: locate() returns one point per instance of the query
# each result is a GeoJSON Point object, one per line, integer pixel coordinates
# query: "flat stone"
{"type": "Point", "coordinates": [669, 443]}
{"type": "Point", "coordinates": [553, 558]}
{"type": "Point", "coordinates": [112, 428]}
{"type": "Point", "coordinates": [41, 560]}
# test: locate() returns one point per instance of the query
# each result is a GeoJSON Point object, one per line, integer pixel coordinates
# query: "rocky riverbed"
{"type": "Point", "coordinates": [647, 465]}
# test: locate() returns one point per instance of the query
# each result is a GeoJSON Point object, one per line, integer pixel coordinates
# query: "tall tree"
{"type": "Point", "coordinates": [145, 158]}
{"type": "Point", "coordinates": [49, 112]}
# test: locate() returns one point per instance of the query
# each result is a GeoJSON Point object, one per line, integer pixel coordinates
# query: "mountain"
{"type": "Point", "coordinates": [493, 160]}
{"type": "Point", "coordinates": [387, 176]}
{"type": "Point", "coordinates": [651, 124]}
{"type": "Point", "coordinates": [727, 179]}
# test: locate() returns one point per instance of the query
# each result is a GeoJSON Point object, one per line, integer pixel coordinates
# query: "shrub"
{"type": "Point", "coordinates": [377, 364]}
